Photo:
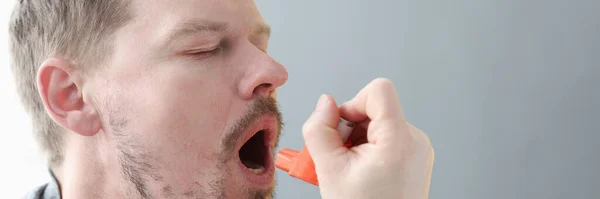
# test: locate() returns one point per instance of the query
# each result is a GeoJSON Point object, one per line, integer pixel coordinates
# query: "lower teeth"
{"type": "Point", "coordinates": [257, 171]}
{"type": "Point", "coordinates": [253, 167]}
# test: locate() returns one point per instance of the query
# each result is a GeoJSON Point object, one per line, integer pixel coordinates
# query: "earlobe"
{"type": "Point", "coordinates": [85, 123]}
{"type": "Point", "coordinates": [63, 99]}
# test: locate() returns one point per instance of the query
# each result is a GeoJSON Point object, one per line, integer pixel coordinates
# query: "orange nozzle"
{"type": "Point", "coordinates": [300, 164]}
{"type": "Point", "coordinates": [285, 159]}
{"type": "Point", "coordinates": [297, 164]}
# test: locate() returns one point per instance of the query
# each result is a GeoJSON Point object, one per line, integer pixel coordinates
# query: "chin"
{"type": "Point", "coordinates": [237, 188]}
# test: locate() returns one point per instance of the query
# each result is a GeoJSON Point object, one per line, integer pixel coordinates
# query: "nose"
{"type": "Point", "coordinates": [262, 75]}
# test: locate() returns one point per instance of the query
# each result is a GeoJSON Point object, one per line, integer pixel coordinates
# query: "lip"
{"type": "Point", "coordinates": [266, 178]}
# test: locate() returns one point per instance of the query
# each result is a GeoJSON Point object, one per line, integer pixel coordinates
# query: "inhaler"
{"type": "Point", "coordinates": [300, 165]}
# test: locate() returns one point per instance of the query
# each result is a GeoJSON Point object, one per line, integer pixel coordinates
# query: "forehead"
{"type": "Point", "coordinates": [201, 8]}
{"type": "Point", "coordinates": [163, 15]}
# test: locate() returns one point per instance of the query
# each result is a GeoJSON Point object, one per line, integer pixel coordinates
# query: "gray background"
{"type": "Point", "coordinates": [507, 90]}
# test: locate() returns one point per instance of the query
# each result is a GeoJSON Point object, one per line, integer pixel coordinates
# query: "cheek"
{"type": "Point", "coordinates": [182, 116]}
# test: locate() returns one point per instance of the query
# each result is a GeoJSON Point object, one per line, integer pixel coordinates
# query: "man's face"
{"type": "Point", "coordinates": [183, 97]}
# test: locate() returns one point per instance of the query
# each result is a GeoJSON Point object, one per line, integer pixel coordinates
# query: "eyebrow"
{"type": "Point", "coordinates": [194, 27]}
{"type": "Point", "coordinates": [191, 28]}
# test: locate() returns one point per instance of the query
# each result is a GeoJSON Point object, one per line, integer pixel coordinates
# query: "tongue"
{"type": "Point", "coordinates": [251, 164]}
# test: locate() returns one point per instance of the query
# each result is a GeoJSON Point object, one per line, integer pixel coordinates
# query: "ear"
{"type": "Point", "coordinates": [63, 99]}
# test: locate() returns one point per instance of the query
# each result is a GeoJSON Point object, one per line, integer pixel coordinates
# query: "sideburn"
{"type": "Point", "coordinates": [136, 163]}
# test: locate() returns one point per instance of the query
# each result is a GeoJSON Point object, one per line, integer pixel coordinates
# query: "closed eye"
{"type": "Point", "coordinates": [204, 53]}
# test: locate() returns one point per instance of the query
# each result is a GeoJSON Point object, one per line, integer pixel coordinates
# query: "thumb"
{"type": "Point", "coordinates": [320, 130]}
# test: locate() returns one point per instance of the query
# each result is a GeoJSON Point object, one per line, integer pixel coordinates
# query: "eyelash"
{"type": "Point", "coordinates": [205, 53]}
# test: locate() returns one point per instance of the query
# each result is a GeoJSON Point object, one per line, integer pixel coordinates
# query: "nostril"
{"type": "Point", "coordinates": [264, 89]}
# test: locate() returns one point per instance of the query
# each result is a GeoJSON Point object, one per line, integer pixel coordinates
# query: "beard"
{"type": "Point", "coordinates": [138, 166]}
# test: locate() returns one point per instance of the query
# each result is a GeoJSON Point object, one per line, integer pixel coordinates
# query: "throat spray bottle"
{"type": "Point", "coordinates": [300, 164]}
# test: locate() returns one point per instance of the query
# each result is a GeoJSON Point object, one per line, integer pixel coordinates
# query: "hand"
{"type": "Point", "coordinates": [390, 157]}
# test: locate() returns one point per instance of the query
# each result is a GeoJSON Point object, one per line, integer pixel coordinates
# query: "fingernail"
{"type": "Point", "coordinates": [322, 101]}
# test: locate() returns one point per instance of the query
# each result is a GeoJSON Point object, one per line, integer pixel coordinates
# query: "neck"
{"type": "Point", "coordinates": [89, 171]}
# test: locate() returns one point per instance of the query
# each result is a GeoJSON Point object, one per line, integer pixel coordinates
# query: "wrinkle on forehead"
{"type": "Point", "coordinates": [162, 14]}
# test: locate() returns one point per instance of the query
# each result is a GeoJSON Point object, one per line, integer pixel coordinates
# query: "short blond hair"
{"type": "Point", "coordinates": [80, 31]}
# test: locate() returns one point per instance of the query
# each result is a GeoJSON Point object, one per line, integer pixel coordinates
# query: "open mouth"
{"type": "Point", "coordinates": [254, 152]}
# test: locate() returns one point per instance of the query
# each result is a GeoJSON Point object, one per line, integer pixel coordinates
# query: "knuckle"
{"type": "Point", "coordinates": [307, 129]}
{"type": "Point", "coordinates": [417, 140]}
{"type": "Point", "coordinates": [383, 83]}
{"type": "Point", "coordinates": [423, 141]}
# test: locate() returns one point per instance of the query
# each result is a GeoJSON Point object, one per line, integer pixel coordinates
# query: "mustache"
{"type": "Point", "coordinates": [257, 108]}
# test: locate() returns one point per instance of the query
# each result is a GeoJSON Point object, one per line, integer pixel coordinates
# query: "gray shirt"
{"type": "Point", "coordinates": [49, 190]}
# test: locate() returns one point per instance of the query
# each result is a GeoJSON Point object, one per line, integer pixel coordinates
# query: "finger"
{"type": "Point", "coordinates": [320, 130]}
{"type": "Point", "coordinates": [377, 101]}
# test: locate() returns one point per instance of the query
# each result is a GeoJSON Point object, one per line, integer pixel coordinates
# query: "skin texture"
{"type": "Point", "coordinates": [390, 159]}
{"type": "Point", "coordinates": [166, 115]}
{"type": "Point", "coordinates": [161, 118]}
